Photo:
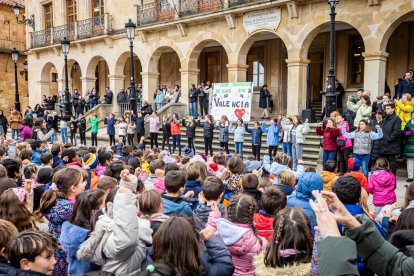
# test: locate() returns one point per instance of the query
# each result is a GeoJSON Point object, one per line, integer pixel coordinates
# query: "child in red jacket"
{"type": "Point", "coordinates": [273, 200]}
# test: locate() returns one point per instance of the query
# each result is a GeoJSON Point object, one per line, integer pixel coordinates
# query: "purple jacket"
{"type": "Point", "coordinates": [25, 132]}
{"type": "Point", "coordinates": [382, 185]}
{"type": "Point", "coordinates": [348, 142]}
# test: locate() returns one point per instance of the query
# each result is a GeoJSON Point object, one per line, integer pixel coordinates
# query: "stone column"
{"type": "Point", "coordinates": [116, 83]}
{"type": "Point", "coordinates": [62, 85]}
{"type": "Point", "coordinates": [37, 94]}
{"type": "Point", "coordinates": [296, 85]}
{"type": "Point", "coordinates": [188, 77]}
{"type": "Point", "coordinates": [87, 84]}
{"type": "Point", "coordinates": [375, 72]}
{"type": "Point", "coordinates": [149, 84]}
{"type": "Point", "coordinates": [237, 72]}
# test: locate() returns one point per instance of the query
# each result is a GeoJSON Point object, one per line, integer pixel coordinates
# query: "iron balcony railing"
{"type": "Point", "coordinates": [41, 38]}
{"type": "Point", "coordinates": [64, 31]}
{"type": "Point", "coordinates": [167, 10]}
{"type": "Point", "coordinates": [7, 45]}
{"type": "Point", "coordinates": [88, 28]}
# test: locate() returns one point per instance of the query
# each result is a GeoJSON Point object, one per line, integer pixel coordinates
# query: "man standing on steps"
{"type": "Point", "coordinates": [202, 100]}
{"type": "Point", "coordinates": [390, 145]}
{"type": "Point", "coordinates": [82, 129]}
{"type": "Point", "coordinates": [193, 95]}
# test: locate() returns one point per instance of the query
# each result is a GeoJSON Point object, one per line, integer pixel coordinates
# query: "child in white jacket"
{"type": "Point", "coordinates": [119, 239]}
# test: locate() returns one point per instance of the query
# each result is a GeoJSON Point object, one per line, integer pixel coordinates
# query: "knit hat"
{"type": "Point", "coordinates": [309, 182]}
{"type": "Point", "coordinates": [251, 165]}
{"type": "Point", "coordinates": [131, 183]}
{"type": "Point", "coordinates": [188, 152]}
{"type": "Point", "coordinates": [90, 160]}
{"type": "Point", "coordinates": [214, 167]}
{"type": "Point", "coordinates": [168, 159]}
{"type": "Point", "coordinates": [354, 164]}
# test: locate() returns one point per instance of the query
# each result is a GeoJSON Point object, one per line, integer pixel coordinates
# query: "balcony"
{"type": "Point", "coordinates": [162, 11]}
{"type": "Point", "coordinates": [83, 29]}
{"type": "Point", "coordinates": [7, 45]}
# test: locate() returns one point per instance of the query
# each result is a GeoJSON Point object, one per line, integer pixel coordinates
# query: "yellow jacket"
{"type": "Point", "coordinates": [404, 110]}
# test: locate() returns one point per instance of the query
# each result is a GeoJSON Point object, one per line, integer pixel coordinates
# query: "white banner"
{"type": "Point", "coordinates": [233, 100]}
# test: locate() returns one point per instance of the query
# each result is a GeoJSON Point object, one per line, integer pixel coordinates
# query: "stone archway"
{"type": "Point", "coordinates": [96, 75]}
{"type": "Point", "coordinates": [48, 80]}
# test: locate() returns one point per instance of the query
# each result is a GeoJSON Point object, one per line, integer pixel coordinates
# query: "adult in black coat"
{"type": "Point", "coordinates": [3, 123]}
{"type": "Point", "coordinates": [391, 128]}
{"type": "Point", "coordinates": [264, 101]}
{"type": "Point", "coordinates": [108, 96]}
{"type": "Point", "coordinates": [146, 109]}
{"type": "Point", "coordinates": [81, 106]}
{"type": "Point", "coordinates": [140, 125]}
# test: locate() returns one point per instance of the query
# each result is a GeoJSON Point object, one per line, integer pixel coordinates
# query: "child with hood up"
{"type": "Point", "coordinates": [309, 182]}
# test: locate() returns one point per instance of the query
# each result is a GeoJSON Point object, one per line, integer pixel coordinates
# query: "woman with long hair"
{"type": "Point", "coordinates": [176, 133]}
{"type": "Point", "coordinates": [40, 132]}
{"type": "Point", "coordinates": [4, 124]}
{"type": "Point", "coordinates": [26, 129]}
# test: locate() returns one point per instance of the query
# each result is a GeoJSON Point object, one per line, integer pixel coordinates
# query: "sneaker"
{"type": "Point", "coordinates": [409, 180]}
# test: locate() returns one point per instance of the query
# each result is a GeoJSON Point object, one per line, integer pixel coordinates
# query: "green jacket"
{"type": "Point", "coordinates": [362, 112]}
{"type": "Point", "coordinates": [379, 255]}
{"type": "Point", "coordinates": [94, 124]}
{"type": "Point", "coordinates": [409, 140]}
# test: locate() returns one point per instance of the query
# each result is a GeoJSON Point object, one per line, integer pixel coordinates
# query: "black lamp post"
{"type": "Point", "coordinates": [330, 94]}
{"type": "Point", "coordinates": [65, 50]}
{"type": "Point", "coordinates": [130, 30]}
{"type": "Point", "coordinates": [28, 21]}
{"type": "Point", "coordinates": [15, 58]}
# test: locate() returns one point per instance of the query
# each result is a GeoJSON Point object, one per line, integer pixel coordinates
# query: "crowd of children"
{"type": "Point", "coordinates": [77, 210]}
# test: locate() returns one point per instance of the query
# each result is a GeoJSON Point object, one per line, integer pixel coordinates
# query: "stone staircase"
{"type": "Point", "coordinates": [317, 107]}
{"type": "Point", "coordinates": [310, 151]}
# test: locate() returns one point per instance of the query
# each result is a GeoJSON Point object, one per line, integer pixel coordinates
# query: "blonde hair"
{"type": "Point", "coordinates": [196, 171]}
{"type": "Point", "coordinates": [409, 97]}
{"type": "Point", "coordinates": [363, 201]}
{"type": "Point", "coordinates": [287, 178]}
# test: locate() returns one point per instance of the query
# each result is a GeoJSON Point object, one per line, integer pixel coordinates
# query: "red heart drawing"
{"type": "Point", "coordinates": [239, 113]}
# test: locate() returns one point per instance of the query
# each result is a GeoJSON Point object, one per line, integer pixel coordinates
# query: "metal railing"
{"type": "Point", "coordinates": [190, 7]}
{"type": "Point", "coordinates": [156, 12]}
{"type": "Point", "coordinates": [123, 107]}
{"type": "Point", "coordinates": [64, 31]}
{"type": "Point", "coordinates": [91, 27]}
{"type": "Point", "coordinates": [41, 38]}
{"type": "Point", "coordinates": [161, 11]}
{"type": "Point", "coordinates": [7, 45]}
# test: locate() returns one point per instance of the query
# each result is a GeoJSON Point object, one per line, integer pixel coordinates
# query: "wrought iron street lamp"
{"type": "Point", "coordinates": [15, 58]}
{"type": "Point", "coordinates": [330, 93]}
{"type": "Point", "coordinates": [27, 21]}
{"type": "Point", "coordinates": [130, 30]}
{"type": "Point", "coordinates": [65, 50]}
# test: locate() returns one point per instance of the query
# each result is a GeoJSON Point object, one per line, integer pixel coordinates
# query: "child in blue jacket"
{"type": "Point", "coordinates": [239, 132]}
{"type": "Point", "coordinates": [256, 132]}
{"type": "Point", "coordinates": [272, 136]}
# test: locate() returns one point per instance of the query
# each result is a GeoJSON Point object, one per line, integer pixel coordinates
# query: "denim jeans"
{"type": "Point", "coordinates": [64, 135]}
{"type": "Point", "coordinates": [92, 105]}
{"type": "Point", "coordinates": [287, 149]}
{"type": "Point", "coordinates": [364, 159]}
{"type": "Point", "coordinates": [193, 109]}
{"type": "Point", "coordinates": [15, 134]}
{"type": "Point", "coordinates": [239, 148]}
{"type": "Point", "coordinates": [297, 152]}
{"type": "Point", "coordinates": [328, 155]}
{"type": "Point", "coordinates": [53, 138]}
{"type": "Point", "coordinates": [176, 139]}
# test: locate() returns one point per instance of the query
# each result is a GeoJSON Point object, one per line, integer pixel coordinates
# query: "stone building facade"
{"type": "Point", "coordinates": [12, 35]}
{"type": "Point", "coordinates": [282, 43]}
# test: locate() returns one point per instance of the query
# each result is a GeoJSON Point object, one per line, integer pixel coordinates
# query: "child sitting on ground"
{"type": "Point", "coordinates": [195, 172]}
{"type": "Point", "coordinates": [156, 177]}
{"type": "Point", "coordinates": [250, 185]}
{"type": "Point", "coordinates": [32, 251]}
{"type": "Point", "coordinates": [273, 200]}
{"type": "Point", "coordinates": [7, 232]}
{"type": "Point", "coordinates": [287, 182]}
{"type": "Point", "coordinates": [329, 175]}
{"type": "Point", "coordinates": [173, 202]}
{"type": "Point", "coordinates": [212, 191]}
{"type": "Point", "coordinates": [38, 148]}
{"type": "Point", "coordinates": [151, 208]}
{"type": "Point", "coordinates": [46, 159]}
{"type": "Point", "coordinates": [238, 232]}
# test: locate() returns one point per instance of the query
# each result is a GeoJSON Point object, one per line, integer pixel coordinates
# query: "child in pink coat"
{"type": "Point", "coordinates": [239, 233]}
{"type": "Point", "coordinates": [382, 185]}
